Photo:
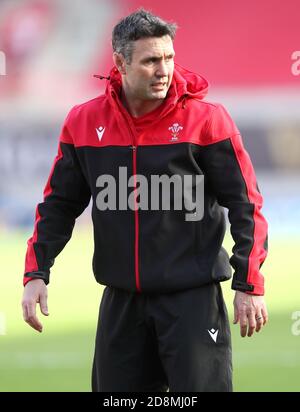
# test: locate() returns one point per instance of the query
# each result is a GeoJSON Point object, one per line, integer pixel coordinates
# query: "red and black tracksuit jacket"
{"type": "Point", "coordinates": [154, 250]}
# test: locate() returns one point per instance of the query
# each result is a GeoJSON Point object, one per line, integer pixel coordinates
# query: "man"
{"type": "Point", "coordinates": [162, 321]}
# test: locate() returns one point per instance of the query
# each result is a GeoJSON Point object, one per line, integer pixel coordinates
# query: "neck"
{"type": "Point", "coordinates": [137, 107]}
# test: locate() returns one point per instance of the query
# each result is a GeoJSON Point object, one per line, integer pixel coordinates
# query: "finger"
{"type": "Point", "coordinates": [259, 321]}
{"type": "Point", "coordinates": [265, 315]}
{"type": "Point", "coordinates": [43, 305]}
{"type": "Point", "coordinates": [243, 323]}
{"type": "Point", "coordinates": [251, 323]}
{"type": "Point", "coordinates": [35, 323]}
{"type": "Point", "coordinates": [25, 313]}
{"type": "Point", "coordinates": [32, 319]}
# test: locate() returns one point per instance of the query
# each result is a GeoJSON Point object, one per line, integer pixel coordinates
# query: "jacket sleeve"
{"type": "Point", "coordinates": [66, 195]}
{"type": "Point", "coordinates": [230, 173]}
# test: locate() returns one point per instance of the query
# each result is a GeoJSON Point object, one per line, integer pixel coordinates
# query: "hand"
{"type": "Point", "coordinates": [250, 311]}
{"type": "Point", "coordinates": [35, 291]}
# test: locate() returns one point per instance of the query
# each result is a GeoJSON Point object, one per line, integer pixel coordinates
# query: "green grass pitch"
{"type": "Point", "coordinates": [60, 358]}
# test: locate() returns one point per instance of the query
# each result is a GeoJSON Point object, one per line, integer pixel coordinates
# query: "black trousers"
{"type": "Point", "coordinates": [152, 342]}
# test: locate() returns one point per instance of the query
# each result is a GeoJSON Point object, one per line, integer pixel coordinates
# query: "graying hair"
{"type": "Point", "coordinates": [139, 25]}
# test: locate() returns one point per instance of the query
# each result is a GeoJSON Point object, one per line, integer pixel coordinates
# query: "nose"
{"type": "Point", "coordinates": [162, 69]}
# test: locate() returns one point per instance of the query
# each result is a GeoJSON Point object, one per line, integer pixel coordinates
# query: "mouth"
{"type": "Point", "coordinates": [159, 85]}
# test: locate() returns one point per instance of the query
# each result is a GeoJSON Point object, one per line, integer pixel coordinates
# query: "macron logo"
{"type": "Point", "coordinates": [100, 131]}
{"type": "Point", "coordinates": [213, 334]}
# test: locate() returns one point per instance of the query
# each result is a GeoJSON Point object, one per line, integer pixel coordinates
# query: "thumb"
{"type": "Point", "coordinates": [43, 305]}
{"type": "Point", "coordinates": [236, 316]}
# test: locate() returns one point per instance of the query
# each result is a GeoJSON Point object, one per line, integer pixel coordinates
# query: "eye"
{"type": "Point", "coordinates": [170, 57]}
{"type": "Point", "coordinates": [152, 60]}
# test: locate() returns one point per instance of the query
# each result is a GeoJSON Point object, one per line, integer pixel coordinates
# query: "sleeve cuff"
{"type": "Point", "coordinates": [251, 289]}
{"type": "Point", "coordinates": [36, 275]}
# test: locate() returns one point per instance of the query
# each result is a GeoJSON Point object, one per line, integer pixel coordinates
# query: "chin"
{"type": "Point", "coordinates": [159, 95]}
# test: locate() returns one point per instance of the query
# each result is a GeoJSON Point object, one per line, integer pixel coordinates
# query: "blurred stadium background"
{"type": "Point", "coordinates": [52, 50]}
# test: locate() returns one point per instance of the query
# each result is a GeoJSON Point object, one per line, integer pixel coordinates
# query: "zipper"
{"type": "Point", "coordinates": [136, 224]}
{"type": "Point", "coordinates": [133, 147]}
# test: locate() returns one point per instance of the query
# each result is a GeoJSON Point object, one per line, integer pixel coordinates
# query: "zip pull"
{"type": "Point", "coordinates": [101, 77]}
{"type": "Point", "coordinates": [133, 148]}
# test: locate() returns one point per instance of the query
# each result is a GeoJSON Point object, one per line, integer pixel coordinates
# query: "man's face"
{"type": "Point", "coordinates": [149, 75]}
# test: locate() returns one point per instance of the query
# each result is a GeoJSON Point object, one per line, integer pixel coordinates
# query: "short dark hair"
{"type": "Point", "coordinates": [138, 25]}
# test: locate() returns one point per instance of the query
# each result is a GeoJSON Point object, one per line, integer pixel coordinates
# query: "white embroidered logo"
{"type": "Point", "coordinates": [175, 130]}
{"type": "Point", "coordinates": [213, 334]}
{"type": "Point", "coordinates": [100, 131]}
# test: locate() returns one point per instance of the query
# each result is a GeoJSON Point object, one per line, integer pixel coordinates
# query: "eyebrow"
{"type": "Point", "coordinates": [155, 57]}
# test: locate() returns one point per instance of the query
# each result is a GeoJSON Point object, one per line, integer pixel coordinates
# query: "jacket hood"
{"type": "Point", "coordinates": [190, 83]}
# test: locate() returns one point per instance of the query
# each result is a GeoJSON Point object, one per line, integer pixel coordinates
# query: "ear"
{"type": "Point", "coordinates": [119, 61]}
